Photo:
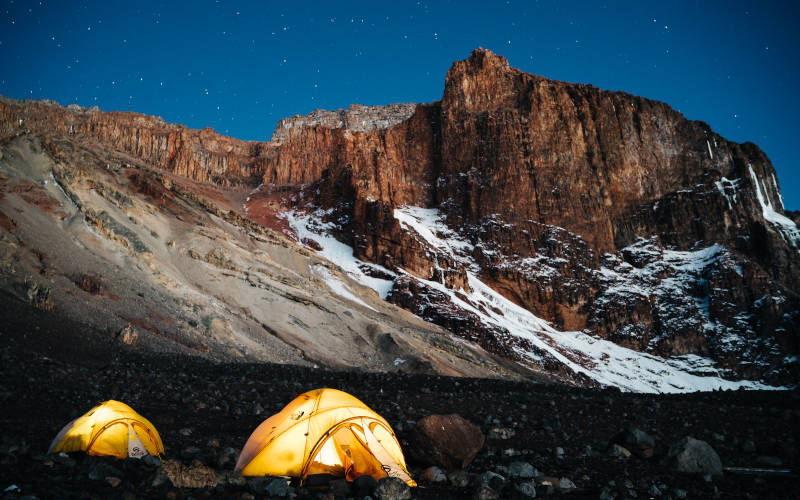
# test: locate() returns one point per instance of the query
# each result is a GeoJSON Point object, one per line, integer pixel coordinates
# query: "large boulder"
{"type": "Point", "coordinates": [694, 456]}
{"type": "Point", "coordinates": [449, 441]}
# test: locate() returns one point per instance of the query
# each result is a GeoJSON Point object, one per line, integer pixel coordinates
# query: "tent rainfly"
{"type": "Point", "coordinates": [324, 431]}
{"type": "Point", "coordinates": [110, 428]}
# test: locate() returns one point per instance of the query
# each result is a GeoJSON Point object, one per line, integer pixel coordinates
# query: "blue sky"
{"type": "Point", "coordinates": [239, 66]}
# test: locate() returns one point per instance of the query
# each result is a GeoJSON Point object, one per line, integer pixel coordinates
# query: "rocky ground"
{"type": "Point", "coordinates": [551, 439]}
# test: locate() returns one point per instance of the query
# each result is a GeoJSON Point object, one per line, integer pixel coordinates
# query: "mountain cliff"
{"type": "Point", "coordinates": [564, 227]}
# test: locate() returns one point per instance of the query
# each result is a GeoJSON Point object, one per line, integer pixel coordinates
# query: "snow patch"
{"type": "Point", "coordinates": [709, 150]}
{"type": "Point", "coordinates": [785, 226]}
{"type": "Point", "coordinates": [311, 226]}
{"type": "Point", "coordinates": [338, 287]}
{"type": "Point", "coordinates": [728, 189]}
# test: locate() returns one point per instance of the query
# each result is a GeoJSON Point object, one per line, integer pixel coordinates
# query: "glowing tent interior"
{"type": "Point", "coordinates": [324, 431]}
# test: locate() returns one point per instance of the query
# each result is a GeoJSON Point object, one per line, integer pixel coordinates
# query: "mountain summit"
{"type": "Point", "coordinates": [592, 236]}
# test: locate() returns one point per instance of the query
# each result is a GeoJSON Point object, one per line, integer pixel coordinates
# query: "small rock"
{"type": "Point", "coordinates": [484, 492]}
{"type": "Point", "coordinates": [653, 491]}
{"type": "Point", "coordinates": [637, 441]}
{"type": "Point", "coordinates": [340, 488]}
{"type": "Point", "coordinates": [364, 486]}
{"type": "Point", "coordinates": [522, 470]}
{"type": "Point", "coordinates": [606, 494]}
{"type": "Point", "coordinates": [62, 458]}
{"type": "Point", "coordinates": [458, 478]}
{"type": "Point", "coordinates": [559, 452]}
{"type": "Point", "coordinates": [679, 493]}
{"type": "Point", "coordinates": [230, 477]}
{"type": "Point", "coordinates": [524, 491]}
{"type": "Point", "coordinates": [270, 486]}
{"type": "Point", "coordinates": [151, 461]}
{"type": "Point", "coordinates": [101, 470]}
{"type": "Point", "coordinates": [618, 451]}
{"type": "Point", "coordinates": [113, 481]}
{"type": "Point", "coordinates": [128, 335]}
{"type": "Point", "coordinates": [501, 433]}
{"type": "Point", "coordinates": [749, 446]}
{"type": "Point", "coordinates": [434, 474]}
{"type": "Point", "coordinates": [566, 483]}
{"type": "Point", "coordinates": [392, 488]}
{"type": "Point", "coordinates": [694, 456]}
{"type": "Point", "coordinates": [546, 484]}
{"type": "Point", "coordinates": [492, 479]}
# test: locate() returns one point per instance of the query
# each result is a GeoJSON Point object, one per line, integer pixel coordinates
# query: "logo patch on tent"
{"type": "Point", "coordinates": [135, 447]}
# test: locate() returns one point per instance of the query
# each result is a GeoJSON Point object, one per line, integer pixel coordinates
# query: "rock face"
{"type": "Point", "coordinates": [596, 211]}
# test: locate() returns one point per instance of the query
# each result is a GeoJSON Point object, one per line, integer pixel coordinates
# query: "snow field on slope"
{"type": "Point", "coordinates": [311, 226]}
{"type": "Point", "coordinates": [601, 360]}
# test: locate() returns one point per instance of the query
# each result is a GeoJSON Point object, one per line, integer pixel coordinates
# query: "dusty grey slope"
{"type": "Point", "coordinates": [168, 264]}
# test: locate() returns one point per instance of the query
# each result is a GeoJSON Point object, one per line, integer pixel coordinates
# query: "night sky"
{"type": "Point", "coordinates": [239, 67]}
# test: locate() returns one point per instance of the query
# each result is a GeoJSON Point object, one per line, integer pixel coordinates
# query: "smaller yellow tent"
{"type": "Point", "coordinates": [324, 431]}
{"type": "Point", "coordinates": [110, 428]}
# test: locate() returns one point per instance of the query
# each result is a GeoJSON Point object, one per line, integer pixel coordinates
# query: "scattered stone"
{"type": "Point", "coordinates": [340, 488]}
{"type": "Point", "coordinates": [680, 493]}
{"type": "Point", "coordinates": [606, 494]}
{"type": "Point", "coordinates": [364, 486]}
{"type": "Point", "coordinates": [492, 479]}
{"type": "Point", "coordinates": [566, 483]}
{"type": "Point", "coordinates": [458, 478]}
{"type": "Point", "coordinates": [501, 433]}
{"type": "Point", "coordinates": [484, 492]}
{"type": "Point", "coordinates": [618, 451]}
{"type": "Point", "coordinates": [270, 486]}
{"type": "Point", "coordinates": [525, 490]}
{"type": "Point", "coordinates": [151, 461]}
{"type": "Point", "coordinates": [195, 475]}
{"type": "Point", "coordinates": [434, 474]}
{"type": "Point", "coordinates": [230, 477]}
{"type": "Point", "coordinates": [637, 441]}
{"type": "Point", "coordinates": [449, 441]}
{"type": "Point", "coordinates": [559, 452]}
{"type": "Point", "coordinates": [392, 488]}
{"type": "Point", "coordinates": [694, 456]}
{"type": "Point", "coordinates": [100, 470]}
{"type": "Point", "coordinates": [522, 470]}
{"type": "Point", "coordinates": [653, 491]}
{"type": "Point", "coordinates": [113, 481]}
{"type": "Point", "coordinates": [65, 460]}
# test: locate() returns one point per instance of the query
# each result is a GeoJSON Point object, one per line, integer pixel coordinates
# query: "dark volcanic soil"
{"type": "Point", "coordinates": [52, 370]}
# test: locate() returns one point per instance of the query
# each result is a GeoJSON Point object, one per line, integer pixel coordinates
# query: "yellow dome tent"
{"type": "Point", "coordinates": [324, 431]}
{"type": "Point", "coordinates": [110, 428]}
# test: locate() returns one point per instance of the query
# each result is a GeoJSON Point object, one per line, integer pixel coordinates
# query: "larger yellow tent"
{"type": "Point", "coordinates": [324, 431]}
{"type": "Point", "coordinates": [110, 428]}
